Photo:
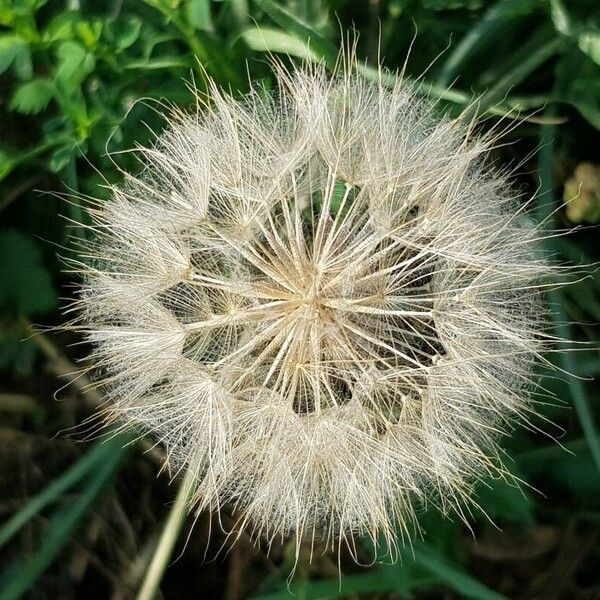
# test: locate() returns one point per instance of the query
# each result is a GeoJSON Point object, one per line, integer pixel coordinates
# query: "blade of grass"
{"type": "Point", "coordinates": [535, 53]}
{"type": "Point", "coordinates": [374, 582]}
{"type": "Point", "coordinates": [89, 462]}
{"type": "Point", "coordinates": [16, 580]}
{"type": "Point", "coordinates": [270, 39]}
{"type": "Point", "coordinates": [536, 461]}
{"type": "Point", "coordinates": [318, 47]}
{"type": "Point", "coordinates": [208, 52]}
{"type": "Point", "coordinates": [12, 162]}
{"type": "Point", "coordinates": [241, 11]}
{"type": "Point", "coordinates": [331, 588]}
{"type": "Point", "coordinates": [458, 580]}
{"type": "Point", "coordinates": [495, 18]}
{"type": "Point", "coordinates": [293, 25]}
{"type": "Point", "coordinates": [544, 208]}
{"type": "Point", "coordinates": [588, 366]}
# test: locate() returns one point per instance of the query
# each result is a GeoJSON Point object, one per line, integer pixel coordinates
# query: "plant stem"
{"type": "Point", "coordinates": [167, 540]}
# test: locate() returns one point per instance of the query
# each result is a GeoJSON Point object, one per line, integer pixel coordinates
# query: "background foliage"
{"type": "Point", "coordinates": [81, 82]}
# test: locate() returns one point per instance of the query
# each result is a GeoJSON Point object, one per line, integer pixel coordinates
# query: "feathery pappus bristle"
{"type": "Point", "coordinates": [323, 301]}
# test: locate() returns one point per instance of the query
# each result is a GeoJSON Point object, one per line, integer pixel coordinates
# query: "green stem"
{"type": "Point", "coordinates": [28, 155]}
{"type": "Point", "coordinates": [207, 52]}
{"type": "Point", "coordinates": [167, 540]}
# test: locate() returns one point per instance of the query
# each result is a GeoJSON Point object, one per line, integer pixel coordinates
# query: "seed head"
{"type": "Point", "coordinates": [323, 301]}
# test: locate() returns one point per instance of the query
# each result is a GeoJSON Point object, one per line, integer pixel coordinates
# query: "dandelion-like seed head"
{"type": "Point", "coordinates": [322, 301]}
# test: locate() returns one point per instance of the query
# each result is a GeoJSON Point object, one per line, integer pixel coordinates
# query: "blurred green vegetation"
{"type": "Point", "coordinates": [82, 82]}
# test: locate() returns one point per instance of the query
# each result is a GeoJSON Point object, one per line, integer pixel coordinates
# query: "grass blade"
{"type": "Point", "coordinates": [270, 39]}
{"type": "Point", "coordinates": [209, 52]}
{"type": "Point", "coordinates": [458, 580]}
{"type": "Point", "coordinates": [16, 580]}
{"type": "Point", "coordinates": [545, 205]}
{"type": "Point", "coordinates": [374, 582]}
{"type": "Point", "coordinates": [89, 462]}
{"type": "Point", "coordinates": [491, 22]}
{"type": "Point", "coordinates": [304, 32]}
{"type": "Point", "coordinates": [535, 53]}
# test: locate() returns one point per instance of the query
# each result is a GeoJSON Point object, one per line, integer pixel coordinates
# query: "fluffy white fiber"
{"type": "Point", "coordinates": [322, 301]}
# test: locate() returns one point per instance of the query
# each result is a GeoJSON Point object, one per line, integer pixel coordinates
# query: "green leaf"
{"type": "Point", "coordinates": [434, 561]}
{"type": "Point", "coordinates": [496, 17]}
{"type": "Point", "coordinates": [589, 42]}
{"type": "Point", "coordinates": [198, 14]}
{"type": "Point", "coordinates": [6, 164]}
{"type": "Point", "coordinates": [70, 55]}
{"type": "Point", "coordinates": [541, 46]}
{"type": "Point", "coordinates": [582, 294]}
{"type": "Point", "coordinates": [123, 33]}
{"type": "Point", "coordinates": [349, 585]}
{"type": "Point", "coordinates": [25, 284]}
{"type": "Point", "coordinates": [505, 500]}
{"type": "Point", "coordinates": [74, 64]}
{"type": "Point", "coordinates": [241, 11]}
{"type": "Point", "coordinates": [542, 461]}
{"type": "Point", "coordinates": [22, 63]}
{"type": "Point", "coordinates": [32, 97]}
{"type": "Point", "coordinates": [211, 55]}
{"type": "Point", "coordinates": [60, 158]}
{"type": "Point", "coordinates": [155, 64]}
{"type": "Point", "coordinates": [269, 39]}
{"type": "Point", "coordinates": [585, 97]}
{"type": "Point", "coordinates": [560, 17]}
{"type": "Point", "coordinates": [570, 466]}
{"type": "Point", "coordinates": [565, 358]}
{"type": "Point", "coordinates": [454, 577]}
{"type": "Point", "coordinates": [580, 78]}
{"type": "Point", "coordinates": [14, 50]}
{"type": "Point", "coordinates": [62, 26]}
{"type": "Point", "coordinates": [294, 26]}
{"type": "Point", "coordinates": [384, 579]}
{"type": "Point", "coordinates": [576, 473]}
{"type": "Point", "coordinates": [89, 32]}
{"type": "Point", "coordinates": [587, 39]}
{"type": "Point", "coordinates": [16, 353]}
